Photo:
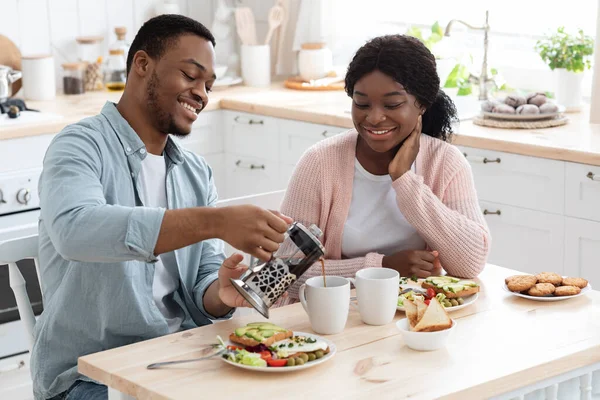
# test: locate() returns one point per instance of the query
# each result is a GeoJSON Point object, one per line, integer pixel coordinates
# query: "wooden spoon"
{"type": "Point", "coordinates": [276, 16]}
{"type": "Point", "coordinates": [244, 18]}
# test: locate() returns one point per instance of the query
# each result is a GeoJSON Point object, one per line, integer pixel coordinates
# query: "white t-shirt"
{"type": "Point", "coordinates": [153, 193]}
{"type": "Point", "coordinates": [375, 223]}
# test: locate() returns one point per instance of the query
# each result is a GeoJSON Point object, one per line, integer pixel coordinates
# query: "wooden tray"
{"type": "Point", "coordinates": [503, 124]}
{"type": "Point", "coordinates": [298, 84]}
{"type": "Point", "coordinates": [11, 57]}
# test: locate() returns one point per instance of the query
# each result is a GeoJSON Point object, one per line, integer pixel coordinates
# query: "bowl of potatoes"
{"type": "Point", "coordinates": [516, 107]}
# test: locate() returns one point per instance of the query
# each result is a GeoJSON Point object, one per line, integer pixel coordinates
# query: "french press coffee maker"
{"type": "Point", "coordinates": [263, 284]}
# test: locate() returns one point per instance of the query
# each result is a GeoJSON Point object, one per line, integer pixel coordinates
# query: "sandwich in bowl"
{"type": "Point", "coordinates": [427, 318]}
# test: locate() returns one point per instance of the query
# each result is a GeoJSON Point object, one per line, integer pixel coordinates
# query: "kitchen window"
{"type": "Point", "coordinates": [516, 25]}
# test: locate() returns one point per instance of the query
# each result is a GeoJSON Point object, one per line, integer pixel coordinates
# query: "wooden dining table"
{"type": "Point", "coordinates": [503, 346]}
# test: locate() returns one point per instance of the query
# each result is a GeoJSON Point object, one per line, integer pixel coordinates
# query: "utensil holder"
{"type": "Point", "coordinates": [256, 65]}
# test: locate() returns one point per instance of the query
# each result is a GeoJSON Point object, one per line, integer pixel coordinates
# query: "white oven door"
{"type": "Point", "coordinates": [13, 339]}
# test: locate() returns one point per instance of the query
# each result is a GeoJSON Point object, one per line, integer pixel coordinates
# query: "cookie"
{"type": "Point", "coordinates": [519, 283]}
{"type": "Point", "coordinates": [541, 289]}
{"type": "Point", "coordinates": [579, 282]}
{"type": "Point", "coordinates": [510, 277]}
{"type": "Point", "coordinates": [549, 277]}
{"type": "Point", "coordinates": [567, 291]}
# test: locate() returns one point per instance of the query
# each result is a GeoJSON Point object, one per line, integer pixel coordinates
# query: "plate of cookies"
{"type": "Point", "coordinates": [546, 286]}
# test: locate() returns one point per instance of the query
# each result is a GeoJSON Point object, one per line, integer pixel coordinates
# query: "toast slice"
{"type": "Point", "coordinates": [247, 341]}
{"type": "Point", "coordinates": [421, 308]}
{"type": "Point", "coordinates": [467, 291]}
{"type": "Point", "coordinates": [411, 313]}
{"type": "Point", "coordinates": [435, 318]}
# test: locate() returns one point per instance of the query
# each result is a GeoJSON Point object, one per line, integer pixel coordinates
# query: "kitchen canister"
{"type": "Point", "coordinates": [39, 79]}
{"type": "Point", "coordinates": [315, 61]}
{"type": "Point", "coordinates": [256, 65]}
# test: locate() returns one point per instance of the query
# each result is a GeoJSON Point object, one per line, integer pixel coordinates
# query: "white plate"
{"type": "Point", "coordinates": [522, 117]}
{"type": "Point", "coordinates": [227, 81]}
{"type": "Point", "coordinates": [550, 297]}
{"type": "Point", "coordinates": [310, 364]}
{"type": "Point", "coordinates": [468, 300]}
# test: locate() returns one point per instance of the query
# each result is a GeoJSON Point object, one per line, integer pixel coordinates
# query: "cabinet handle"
{"type": "Point", "coordinates": [484, 160]}
{"type": "Point", "coordinates": [486, 212]}
{"type": "Point", "coordinates": [238, 163]}
{"type": "Point", "coordinates": [593, 176]}
{"type": "Point", "coordinates": [249, 121]}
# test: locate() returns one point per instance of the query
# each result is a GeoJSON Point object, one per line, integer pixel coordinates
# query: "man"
{"type": "Point", "coordinates": [130, 246]}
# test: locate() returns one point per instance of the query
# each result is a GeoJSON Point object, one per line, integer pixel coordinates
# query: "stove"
{"type": "Point", "coordinates": [20, 104]}
{"type": "Point", "coordinates": [15, 112]}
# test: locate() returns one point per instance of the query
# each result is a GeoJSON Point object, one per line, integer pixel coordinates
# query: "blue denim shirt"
{"type": "Point", "coordinates": [97, 246]}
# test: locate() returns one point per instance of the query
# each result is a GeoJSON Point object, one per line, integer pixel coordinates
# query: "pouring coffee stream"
{"type": "Point", "coordinates": [323, 271]}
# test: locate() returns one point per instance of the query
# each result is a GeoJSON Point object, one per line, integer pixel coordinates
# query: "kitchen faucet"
{"type": "Point", "coordinates": [483, 80]}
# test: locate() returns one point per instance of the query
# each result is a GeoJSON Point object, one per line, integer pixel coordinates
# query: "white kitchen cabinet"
{"type": "Point", "coordinates": [285, 173]}
{"type": "Point", "coordinates": [521, 181]}
{"type": "Point", "coordinates": [526, 240]}
{"type": "Point", "coordinates": [15, 378]}
{"type": "Point", "coordinates": [295, 137]}
{"type": "Point", "coordinates": [207, 136]}
{"type": "Point", "coordinates": [251, 135]}
{"type": "Point", "coordinates": [582, 194]}
{"type": "Point", "coordinates": [250, 175]}
{"type": "Point", "coordinates": [582, 249]}
{"type": "Point", "coordinates": [217, 164]}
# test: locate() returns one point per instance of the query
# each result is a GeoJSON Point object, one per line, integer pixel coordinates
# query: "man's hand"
{"type": "Point", "coordinates": [231, 268]}
{"type": "Point", "coordinates": [253, 230]}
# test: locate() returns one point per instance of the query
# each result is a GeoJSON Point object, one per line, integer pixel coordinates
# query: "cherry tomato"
{"type": "Point", "coordinates": [280, 362]}
{"type": "Point", "coordinates": [235, 348]}
{"type": "Point", "coordinates": [431, 293]}
{"type": "Point", "coordinates": [265, 355]}
{"type": "Point", "coordinates": [427, 301]}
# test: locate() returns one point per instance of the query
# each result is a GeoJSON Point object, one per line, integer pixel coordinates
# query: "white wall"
{"type": "Point", "coordinates": [51, 26]}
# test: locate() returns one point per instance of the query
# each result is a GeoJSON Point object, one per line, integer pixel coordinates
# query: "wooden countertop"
{"type": "Point", "coordinates": [501, 343]}
{"type": "Point", "coordinates": [578, 141]}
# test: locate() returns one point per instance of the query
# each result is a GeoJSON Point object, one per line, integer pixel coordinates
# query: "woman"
{"type": "Point", "coordinates": [384, 194]}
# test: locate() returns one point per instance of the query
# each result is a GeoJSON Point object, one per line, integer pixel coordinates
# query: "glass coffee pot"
{"type": "Point", "coordinates": [263, 284]}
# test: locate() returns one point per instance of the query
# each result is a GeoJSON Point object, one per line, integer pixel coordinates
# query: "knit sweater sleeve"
{"type": "Point", "coordinates": [304, 202]}
{"type": "Point", "coordinates": [452, 225]}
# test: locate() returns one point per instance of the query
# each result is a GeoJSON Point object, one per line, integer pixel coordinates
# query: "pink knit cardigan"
{"type": "Point", "coordinates": [439, 201]}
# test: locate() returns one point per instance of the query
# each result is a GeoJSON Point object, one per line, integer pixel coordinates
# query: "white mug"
{"type": "Point", "coordinates": [377, 294]}
{"type": "Point", "coordinates": [327, 307]}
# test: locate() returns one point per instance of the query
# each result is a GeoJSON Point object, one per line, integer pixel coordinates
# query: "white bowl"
{"type": "Point", "coordinates": [220, 71]}
{"type": "Point", "coordinates": [424, 341]}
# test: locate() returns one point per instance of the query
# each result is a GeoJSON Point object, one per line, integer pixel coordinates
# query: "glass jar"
{"type": "Point", "coordinates": [90, 52]}
{"type": "Point", "coordinates": [115, 70]}
{"type": "Point", "coordinates": [73, 78]}
{"type": "Point", "coordinates": [121, 42]}
{"type": "Point", "coordinates": [89, 48]}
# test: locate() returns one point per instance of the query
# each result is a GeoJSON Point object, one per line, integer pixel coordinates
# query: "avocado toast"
{"type": "Point", "coordinates": [451, 287]}
{"type": "Point", "coordinates": [256, 333]}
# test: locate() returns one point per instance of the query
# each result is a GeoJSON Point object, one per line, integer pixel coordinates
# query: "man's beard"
{"type": "Point", "coordinates": [163, 120]}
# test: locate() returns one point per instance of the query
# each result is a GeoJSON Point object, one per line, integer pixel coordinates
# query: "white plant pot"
{"type": "Point", "coordinates": [568, 89]}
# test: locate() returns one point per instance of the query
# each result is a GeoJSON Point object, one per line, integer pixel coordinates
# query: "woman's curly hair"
{"type": "Point", "coordinates": [406, 60]}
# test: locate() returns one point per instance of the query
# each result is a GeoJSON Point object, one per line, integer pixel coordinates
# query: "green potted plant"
{"type": "Point", "coordinates": [433, 38]}
{"type": "Point", "coordinates": [568, 55]}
